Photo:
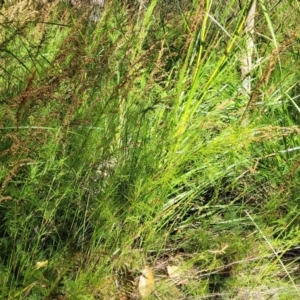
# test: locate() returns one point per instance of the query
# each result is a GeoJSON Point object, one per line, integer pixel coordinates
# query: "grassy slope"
{"type": "Point", "coordinates": [129, 142]}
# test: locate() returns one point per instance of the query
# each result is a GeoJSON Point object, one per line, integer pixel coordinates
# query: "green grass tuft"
{"type": "Point", "coordinates": [130, 141]}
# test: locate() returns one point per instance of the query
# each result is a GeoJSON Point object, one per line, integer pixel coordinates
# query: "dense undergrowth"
{"type": "Point", "coordinates": [130, 141]}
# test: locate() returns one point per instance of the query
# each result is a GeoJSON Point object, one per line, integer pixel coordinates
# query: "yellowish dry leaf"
{"type": "Point", "coordinates": [146, 282]}
{"type": "Point", "coordinates": [174, 272]}
{"type": "Point", "coordinates": [41, 264]}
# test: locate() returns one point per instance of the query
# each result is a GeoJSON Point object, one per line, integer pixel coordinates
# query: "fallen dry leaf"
{"type": "Point", "coordinates": [41, 264]}
{"type": "Point", "coordinates": [146, 282]}
{"type": "Point", "coordinates": [174, 272]}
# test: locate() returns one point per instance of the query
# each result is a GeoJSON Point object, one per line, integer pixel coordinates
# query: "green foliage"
{"type": "Point", "coordinates": [129, 141]}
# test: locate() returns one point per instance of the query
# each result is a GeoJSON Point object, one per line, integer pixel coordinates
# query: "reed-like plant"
{"type": "Point", "coordinates": [130, 141]}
